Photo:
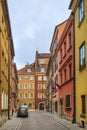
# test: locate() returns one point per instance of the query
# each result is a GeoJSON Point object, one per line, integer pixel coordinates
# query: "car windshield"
{"type": "Point", "coordinates": [22, 109]}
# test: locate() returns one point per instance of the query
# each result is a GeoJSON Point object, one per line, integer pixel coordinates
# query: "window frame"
{"type": "Point", "coordinates": [39, 86]}
{"type": "Point", "coordinates": [83, 104]}
{"type": "Point", "coordinates": [39, 78]}
{"type": "Point", "coordinates": [41, 61]}
{"type": "Point", "coordinates": [42, 69]}
{"type": "Point", "coordinates": [26, 86]}
{"type": "Point", "coordinates": [81, 11]}
{"type": "Point", "coordinates": [70, 70]}
{"type": "Point", "coordinates": [82, 56]}
{"type": "Point", "coordinates": [68, 103]}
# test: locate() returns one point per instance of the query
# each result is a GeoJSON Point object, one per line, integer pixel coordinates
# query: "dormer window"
{"type": "Point", "coordinates": [28, 70]}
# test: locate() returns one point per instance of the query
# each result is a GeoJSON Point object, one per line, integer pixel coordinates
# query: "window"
{"type": "Point", "coordinates": [64, 48]}
{"type": "Point", "coordinates": [42, 69]}
{"type": "Point", "coordinates": [28, 70]}
{"type": "Point", "coordinates": [39, 78]}
{"type": "Point", "coordinates": [65, 75]}
{"type": "Point", "coordinates": [26, 95]}
{"type": "Point", "coordinates": [56, 106]}
{"type": "Point", "coordinates": [55, 45]}
{"type": "Point", "coordinates": [45, 78]}
{"type": "Point", "coordinates": [20, 86]}
{"type": "Point", "coordinates": [70, 70]}
{"type": "Point", "coordinates": [83, 104]}
{"type": "Point", "coordinates": [61, 54]}
{"type": "Point", "coordinates": [31, 77]}
{"type": "Point", "coordinates": [30, 105]}
{"type": "Point", "coordinates": [81, 10]}
{"type": "Point", "coordinates": [44, 86]}
{"type": "Point", "coordinates": [31, 86]}
{"type": "Point", "coordinates": [69, 39]}
{"type": "Point", "coordinates": [20, 77]}
{"type": "Point", "coordinates": [31, 95]}
{"type": "Point", "coordinates": [61, 78]}
{"type": "Point", "coordinates": [20, 95]}
{"type": "Point", "coordinates": [26, 86]}
{"type": "Point", "coordinates": [41, 61]}
{"type": "Point", "coordinates": [68, 101]}
{"type": "Point", "coordinates": [44, 95]}
{"type": "Point", "coordinates": [82, 55]}
{"type": "Point", "coordinates": [56, 63]}
{"type": "Point", "coordinates": [40, 95]}
{"type": "Point", "coordinates": [39, 86]}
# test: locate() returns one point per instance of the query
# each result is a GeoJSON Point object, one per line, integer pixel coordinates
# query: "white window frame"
{"type": "Point", "coordinates": [40, 95]}
{"type": "Point", "coordinates": [20, 77]}
{"type": "Point", "coordinates": [45, 78]}
{"type": "Point", "coordinates": [41, 61]}
{"type": "Point", "coordinates": [81, 10]}
{"type": "Point", "coordinates": [39, 86]}
{"type": "Point", "coordinates": [39, 78]}
{"type": "Point", "coordinates": [31, 77]}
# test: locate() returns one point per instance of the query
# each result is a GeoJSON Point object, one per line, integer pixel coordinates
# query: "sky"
{"type": "Point", "coordinates": [32, 25]}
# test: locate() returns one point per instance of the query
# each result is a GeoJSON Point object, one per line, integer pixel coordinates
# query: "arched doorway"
{"type": "Point", "coordinates": [41, 106]}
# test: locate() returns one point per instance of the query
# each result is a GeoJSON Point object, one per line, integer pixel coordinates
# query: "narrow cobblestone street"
{"type": "Point", "coordinates": [39, 121]}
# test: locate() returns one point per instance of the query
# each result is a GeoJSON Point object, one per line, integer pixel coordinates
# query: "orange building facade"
{"type": "Point", "coordinates": [54, 61]}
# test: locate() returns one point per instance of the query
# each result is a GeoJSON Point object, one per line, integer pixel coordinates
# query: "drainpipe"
{"type": "Point", "coordinates": [74, 87]}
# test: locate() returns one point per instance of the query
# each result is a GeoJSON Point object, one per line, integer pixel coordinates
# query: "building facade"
{"type": "Point", "coordinates": [14, 89]}
{"type": "Point", "coordinates": [32, 83]}
{"type": "Point", "coordinates": [5, 44]}
{"type": "Point", "coordinates": [26, 87]}
{"type": "Point", "coordinates": [41, 64]}
{"type": "Point", "coordinates": [49, 86]}
{"type": "Point", "coordinates": [54, 61]}
{"type": "Point", "coordinates": [66, 72]}
{"type": "Point", "coordinates": [79, 9]}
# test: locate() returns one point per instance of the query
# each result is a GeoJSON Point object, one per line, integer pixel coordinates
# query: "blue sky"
{"type": "Point", "coordinates": [33, 23]}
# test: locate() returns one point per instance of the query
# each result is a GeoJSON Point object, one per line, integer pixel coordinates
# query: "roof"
{"type": "Point", "coordinates": [24, 69]}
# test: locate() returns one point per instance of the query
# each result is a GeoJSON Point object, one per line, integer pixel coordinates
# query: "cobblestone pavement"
{"type": "Point", "coordinates": [14, 122]}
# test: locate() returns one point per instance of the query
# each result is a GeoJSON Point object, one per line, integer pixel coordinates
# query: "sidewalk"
{"type": "Point", "coordinates": [12, 123]}
{"type": "Point", "coordinates": [67, 124]}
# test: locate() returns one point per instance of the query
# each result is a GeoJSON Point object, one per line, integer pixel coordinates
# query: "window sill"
{"type": "Point", "coordinates": [4, 110]}
{"type": "Point", "coordinates": [83, 67]}
{"type": "Point", "coordinates": [68, 108]}
{"type": "Point", "coordinates": [82, 115]}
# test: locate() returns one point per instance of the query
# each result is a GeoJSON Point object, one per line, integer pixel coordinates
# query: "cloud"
{"type": "Point", "coordinates": [33, 23]}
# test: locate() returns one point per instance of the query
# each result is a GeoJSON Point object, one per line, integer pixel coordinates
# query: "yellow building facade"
{"type": "Point", "coordinates": [4, 34]}
{"type": "Point", "coordinates": [26, 87]}
{"type": "Point", "coordinates": [79, 8]}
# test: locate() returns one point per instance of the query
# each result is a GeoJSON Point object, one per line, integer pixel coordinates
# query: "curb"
{"type": "Point", "coordinates": [62, 124]}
